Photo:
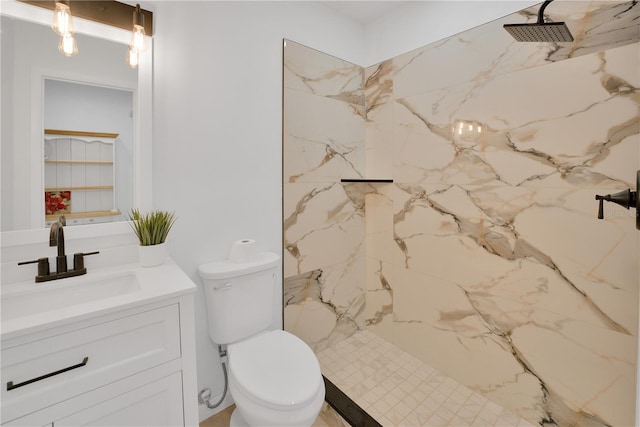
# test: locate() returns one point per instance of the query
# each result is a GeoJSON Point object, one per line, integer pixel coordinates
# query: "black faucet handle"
{"type": "Point", "coordinates": [43, 265]}
{"type": "Point", "coordinates": [600, 207]}
{"type": "Point", "coordinates": [625, 198]}
{"type": "Point", "coordinates": [78, 259]}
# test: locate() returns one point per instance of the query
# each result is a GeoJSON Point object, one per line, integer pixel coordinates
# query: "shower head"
{"type": "Point", "coordinates": [550, 32]}
{"type": "Point", "coordinates": [540, 31]}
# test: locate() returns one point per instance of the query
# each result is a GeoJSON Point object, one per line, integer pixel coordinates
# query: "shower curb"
{"type": "Point", "coordinates": [347, 408]}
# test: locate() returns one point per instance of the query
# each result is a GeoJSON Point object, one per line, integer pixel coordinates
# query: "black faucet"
{"type": "Point", "coordinates": [56, 238]}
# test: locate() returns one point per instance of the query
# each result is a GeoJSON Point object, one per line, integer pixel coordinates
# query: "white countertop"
{"type": "Point", "coordinates": [150, 284]}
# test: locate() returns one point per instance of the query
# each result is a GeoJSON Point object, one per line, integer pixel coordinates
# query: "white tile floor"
{"type": "Point", "coordinates": [397, 389]}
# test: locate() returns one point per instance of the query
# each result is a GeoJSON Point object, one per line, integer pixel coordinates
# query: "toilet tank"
{"type": "Point", "coordinates": [240, 296]}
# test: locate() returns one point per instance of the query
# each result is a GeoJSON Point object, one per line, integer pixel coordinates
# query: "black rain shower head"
{"type": "Point", "coordinates": [540, 31]}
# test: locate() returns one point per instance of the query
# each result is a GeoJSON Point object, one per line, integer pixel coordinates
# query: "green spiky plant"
{"type": "Point", "coordinates": [151, 228]}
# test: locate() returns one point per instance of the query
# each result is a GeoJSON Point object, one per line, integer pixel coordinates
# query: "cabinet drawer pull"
{"type": "Point", "coordinates": [11, 386]}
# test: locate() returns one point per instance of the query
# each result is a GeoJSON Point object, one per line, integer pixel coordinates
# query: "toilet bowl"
{"type": "Point", "coordinates": [275, 380]}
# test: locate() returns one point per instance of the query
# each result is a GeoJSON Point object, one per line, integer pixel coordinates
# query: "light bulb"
{"type": "Point", "coordinates": [62, 22]}
{"type": "Point", "coordinates": [138, 41]}
{"type": "Point", "coordinates": [68, 46]}
{"type": "Point", "coordinates": [132, 57]}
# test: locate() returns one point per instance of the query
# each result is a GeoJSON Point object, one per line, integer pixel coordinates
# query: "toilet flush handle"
{"type": "Point", "coordinates": [224, 287]}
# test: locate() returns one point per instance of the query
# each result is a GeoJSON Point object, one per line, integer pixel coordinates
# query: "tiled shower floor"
{"type": "Point", "coordinates": [399, 390]}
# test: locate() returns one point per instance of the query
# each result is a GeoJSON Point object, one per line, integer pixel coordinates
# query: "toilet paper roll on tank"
{"type": "Point", "coordinates": [243, 250]}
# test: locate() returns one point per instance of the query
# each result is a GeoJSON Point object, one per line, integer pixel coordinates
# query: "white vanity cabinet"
{"type": "Point", "coordinates": [130, 367]}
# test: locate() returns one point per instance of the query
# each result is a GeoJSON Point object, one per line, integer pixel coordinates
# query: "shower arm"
{"type": "Point", "coordinates": [625, 198]}
{"type": "Point", "coordinates": [541, 11]}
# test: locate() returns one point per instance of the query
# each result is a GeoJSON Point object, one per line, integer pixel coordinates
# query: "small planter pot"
{"type": "Point", "coordinates": [150, 256]}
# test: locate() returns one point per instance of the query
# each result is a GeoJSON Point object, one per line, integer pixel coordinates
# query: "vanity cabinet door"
{"type": "Point", "coordinates": [158, 403]}
{"type": "Point", "coordinates": [136, 401]}
{"type": "Point", "coordinates": [85, 359]}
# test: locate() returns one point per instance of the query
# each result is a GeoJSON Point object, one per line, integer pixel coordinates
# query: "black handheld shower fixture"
{"type": "Point", "coordinates": [625, 198]}
{"type": "Point", "coordinates": [540, 31]}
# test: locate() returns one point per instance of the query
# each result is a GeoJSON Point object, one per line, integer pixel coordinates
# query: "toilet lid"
{"type": "Point", "coordinates": [276, 367]}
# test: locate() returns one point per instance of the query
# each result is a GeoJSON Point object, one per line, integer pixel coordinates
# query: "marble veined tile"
{"type": "Point", "coordinates": [475, 264]}
{"type": "Point", "coordinates": [451, 234]}
{"type": "Point", "coordinates": [310, 71]}
{"type": "Point", "coordinates": [378, 86]}
{"type": "Point", "coordinates": [379, 123]}
{"type": "Point", "coordinates": [379, 255]}
{"type": "Point", "coordinates": [480, 54]}
{"type": "Point", "coordinates": [344, 288]}
{"type": "Point", "coordinates": [597, 263]}
{"type": "Point", "coordinates": [305, 315]}
{"type": "Point", "coordinates": [379, 297]}
{"type": "Point", "coordinates": [315, 151]}
{"type": "Point", "coordinates": [378, 149]}
{"type": "Point", "coordinates": [554, 141]}
{"type": "Point", "coordinates": [323, 225]}
{"type": "Point", "coordinates": [325, 306]}
{"type": "Point", "coordinates": [581, 367]}
{"type": "Point", "coordinates": [534, 362]}
{"type": "Point", "coordinates": [378, 208]}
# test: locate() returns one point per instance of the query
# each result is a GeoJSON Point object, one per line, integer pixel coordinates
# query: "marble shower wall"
{"type": "Point", "coordinates": [485, 257]}
{"type": "Point", "coordinates": [324, 234]}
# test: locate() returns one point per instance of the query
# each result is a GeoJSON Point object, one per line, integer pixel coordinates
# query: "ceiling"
{"type": "Point", "coordinates": [364, 11]}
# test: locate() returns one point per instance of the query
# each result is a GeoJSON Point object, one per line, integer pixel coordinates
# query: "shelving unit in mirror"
{"type": "Point", "coordinates": [79, 176]}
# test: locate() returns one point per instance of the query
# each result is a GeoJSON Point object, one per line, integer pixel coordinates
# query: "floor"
{"type": "Point", "coordinates": [399, 390]}
{"type": "Point", "coordinates": [326, 418]}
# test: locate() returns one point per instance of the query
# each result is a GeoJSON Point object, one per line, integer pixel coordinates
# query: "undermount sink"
{"type": "Point", "coordinates": [66, 293]}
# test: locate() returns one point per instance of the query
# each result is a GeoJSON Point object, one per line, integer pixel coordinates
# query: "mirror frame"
{"type": "Point", "coordinates": [142, 161]}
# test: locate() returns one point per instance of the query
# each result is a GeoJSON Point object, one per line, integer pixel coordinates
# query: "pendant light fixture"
{"type": "Point", "coordinates": [63, 26]}
{"type": "Point", "coordinates": [132, 57]}
{"type": "Point", "coordinates": [62, 21]}
{"type": "Point", "coordinates": [67, 45]}
{"type": "Point", "coordinates": [138, 42]}
{"type": "Point", "coordinates": [109, 12]}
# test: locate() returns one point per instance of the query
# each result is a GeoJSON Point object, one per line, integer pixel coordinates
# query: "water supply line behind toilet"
{"type": "Point", "coordinates": [626, 198]}
{"type": "Point", "coordinates": [205, 395]}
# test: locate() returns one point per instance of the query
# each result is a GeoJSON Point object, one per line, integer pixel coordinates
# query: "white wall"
{"type": "Point", "coordinates": [419, 23]}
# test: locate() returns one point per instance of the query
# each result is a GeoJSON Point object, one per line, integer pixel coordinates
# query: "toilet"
{"type": "Point", "coordinates": [274, 377]}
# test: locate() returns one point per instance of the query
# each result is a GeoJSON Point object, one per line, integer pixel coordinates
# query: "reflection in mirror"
{"type": "Point", "coordinates": [95, 91]}
{"type": "Point", "coordinates": [89, 156]}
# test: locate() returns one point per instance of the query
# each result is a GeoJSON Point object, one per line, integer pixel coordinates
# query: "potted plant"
{"type": "Point", "coordinates": [152, 229]}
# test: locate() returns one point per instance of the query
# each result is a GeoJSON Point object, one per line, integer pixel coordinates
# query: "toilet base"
{"type": "Point", "coordinates": [237, 420]}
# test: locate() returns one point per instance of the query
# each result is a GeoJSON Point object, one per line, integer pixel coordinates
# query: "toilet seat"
{"type": "Point", "coordinates": [276, 368]}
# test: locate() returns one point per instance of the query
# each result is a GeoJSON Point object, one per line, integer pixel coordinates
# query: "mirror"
{"type": "Point", "coordinates": [38, 89]}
